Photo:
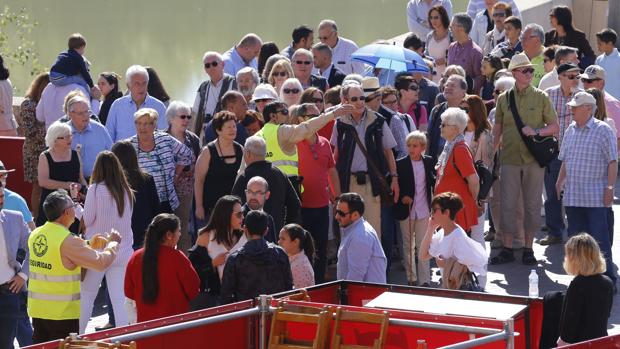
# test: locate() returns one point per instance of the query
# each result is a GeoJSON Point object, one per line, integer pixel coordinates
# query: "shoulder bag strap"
{"type": "Point", "coordinates": [515, 114]}
{"type": "Point", "coordinates": [454, 161]}
{"type": "Point", "coordinates": [372, 165]}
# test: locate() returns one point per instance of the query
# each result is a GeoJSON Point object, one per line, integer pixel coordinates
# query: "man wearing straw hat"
{"type": "Point", "coordinates": [519, 170]}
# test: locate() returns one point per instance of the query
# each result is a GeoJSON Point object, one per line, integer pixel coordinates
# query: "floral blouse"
{"type": "Point", "coordinates": [301, 268]}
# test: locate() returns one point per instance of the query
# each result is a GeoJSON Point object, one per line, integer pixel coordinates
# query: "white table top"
{"type": "Point", "coordinates": [446, 306]}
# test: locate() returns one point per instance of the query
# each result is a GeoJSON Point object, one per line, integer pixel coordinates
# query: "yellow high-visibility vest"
{"type": "Point", "coordinates": [288, 164]}
{"type": "Point", "coordinates": [53, 290]}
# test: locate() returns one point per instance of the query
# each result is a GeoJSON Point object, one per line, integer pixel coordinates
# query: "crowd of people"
{"type": "Point", "coordinates": [173, 206]}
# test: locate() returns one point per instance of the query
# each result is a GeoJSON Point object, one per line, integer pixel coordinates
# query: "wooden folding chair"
{"type": "Point", "coordinates": [289, 313]}
{"type": "Point", "coordinates": [69, 343]}
{"type": "Point", "coordinates": [302, 295]}
{"type": "Point", "coordinates": [361, 317]}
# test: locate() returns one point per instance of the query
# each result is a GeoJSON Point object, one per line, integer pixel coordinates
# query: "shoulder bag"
{"type": "Point", "coordinates": [485, 176]}
{"type": "Point", "coordinates": [385, 191]}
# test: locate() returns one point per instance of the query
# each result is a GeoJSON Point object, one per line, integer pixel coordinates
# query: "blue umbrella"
{"type": "Point", "coordinates": [391, 57]}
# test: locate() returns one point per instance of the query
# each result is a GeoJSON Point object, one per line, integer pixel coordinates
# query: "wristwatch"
{"type": "Point", "coordinates": [610, 187]}
{"type": "Point", "coordinates": [394, 175]}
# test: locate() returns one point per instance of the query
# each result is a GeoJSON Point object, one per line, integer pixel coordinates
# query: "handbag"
{"type": "Point", "coordinates": [385, 191]}
{"type": "Point", "coordinates": [485, 176]}
{"type": "Point", "coordinates": [543, 148]}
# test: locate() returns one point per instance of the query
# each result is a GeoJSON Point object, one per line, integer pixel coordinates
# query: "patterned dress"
{"type": "Point", "coordinates": [34, 143]}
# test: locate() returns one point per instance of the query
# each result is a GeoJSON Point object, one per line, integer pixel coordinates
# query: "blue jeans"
{"type": "Point", "coordinates": [24, 327]}
{"type": "Point", "coordinates": [553, 207]}
{"type": "Point", "coordinates": [9, 316]}
{"type": "Point", "coordinates": [593, 220]}
{"type": "Point", "coordinates": [388, 233]}
{"type": "Point", "coordinates": [316, 221]}
{"type": "Point", "coordinates": [59, 79]}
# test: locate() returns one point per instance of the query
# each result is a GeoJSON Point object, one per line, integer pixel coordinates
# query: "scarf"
{"type": "Point", "coordinates": [445, 154]}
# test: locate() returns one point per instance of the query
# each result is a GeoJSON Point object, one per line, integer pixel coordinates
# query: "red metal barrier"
{"type": "Point", "coordinates": [11, 156]}
{"type": "Point", "coordinates": [611, 342]}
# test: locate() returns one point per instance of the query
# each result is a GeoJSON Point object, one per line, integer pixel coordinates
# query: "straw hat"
{"type": "Point", "coordinates": [519, 61]}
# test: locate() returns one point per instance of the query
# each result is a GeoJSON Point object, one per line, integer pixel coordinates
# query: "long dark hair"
{"type": "Point", "coordinates": [126, 154]}
{"type": "Point", "coordinates": [220, 220]}
{"type": "Point", "coordinates": [155, 87]}
{"type": "Point", "coordinates": [306, 242]}
{"type": "Point", "coordinates": [267, 50]}
{"type": "Point", "coordinates": [495, 63]}
{"type": "Point", "coordinates": [4, 72]}
{"type": "Point", "coordinates": [112, 79]}
{"type": "Point", "coordinates": [564, 16]}
{"type": "Point", "coordinates": [155, 233]}
{"type": "Point", "coordinates": [109, 170]}
{"type": "Point", "coordinates": [478, 114]}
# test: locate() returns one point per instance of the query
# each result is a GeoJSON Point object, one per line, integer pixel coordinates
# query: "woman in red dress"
{"type": "Point", "coordinates": [455, 167]}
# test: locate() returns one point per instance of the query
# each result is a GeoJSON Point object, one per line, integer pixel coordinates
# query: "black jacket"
{"type": "Point", "coordinates": [283, 203]}
{"type": "Point", "coordinates": [202, 263]}
{"type": "Point", "coordinates": [318, 82]}
{"type": "Point", "coordinates": [145, 208]}
{"type": "Point", "coordinates": [228, 83]}
{"type": "Point", "coordinates": [259, 267]}
{"type": "Point", "coordinates": [272, 234]}
{"type": "Point", "coordinates": [335, 77]}
{"type": "Point", "coordinates": [70, 63]}
{"type": "Point", "coordinates": [406, 182]}
{"type": "Point", "coordinates": [576, 39]}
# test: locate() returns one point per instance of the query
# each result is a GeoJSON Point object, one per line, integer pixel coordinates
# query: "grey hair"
{"type": "Point", "coordinates": [217, 55]}
{"type": "Point", "coordinates": [454, 69]}
{"type": "Point", "coordinates": [270, 62]}
{"type": "Point", "coordinates": [536, 29]}
{"type": "Point", "coordinates": [55, 204]}
{"type": "Point", "coordinates": [300, 109]}
{"type": "Point", "coordinates": [346, 87]}
{"type": "Point", "coordinates": [57, 129]}
{"type": "Point", "coordinates": [78, 98]}
{"type": "Point", "coordinates": [292, 81]}
{"type": "Point", "coordinates": [323, 48]}
{"type": "Point", "coordinates": [258, 179]}
{"type": "Point", "coordinates": [562, 52]}
{"type": "Point", "coordinates": [302, 51]}
{"type": "Point", "coordinates": [249, 70]}
{"type": "Point", "coordinates": [250, 40]}
{"type": "Point", "coordinates": [463, 20]}
{"type": "Point", "coordinates": [505, 83]}
{"type": "Point", "coordinates": [455, 116]}
{"type": "Point", "coordinates": [461, 80]}
{"type": "Point", "coordinates": [174, 108]}
{"type": "Point", "coordinates": [328, 22]}
{"type": "Point", "coordinates": [134, 70]}
{"type": "Point", "coordinates": [353, 77]}
{"type": "Point", "coordinates": [256, 146]}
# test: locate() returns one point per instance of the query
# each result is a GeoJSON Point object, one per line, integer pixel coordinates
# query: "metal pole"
{"type": "Point", "coordinates": [478, 341]}
{"type": "Point", "coordinates": [184, 325]}
{"type": "Point", "coordinates": [509, 328]}
{"type": "Point", "coordinates": [445, 327]}
{"type": "Point", "coordinates": [264, 309]}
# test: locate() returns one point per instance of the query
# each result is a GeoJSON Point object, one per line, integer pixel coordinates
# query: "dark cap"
{"type": "Point", "coordinates": [566, 67]}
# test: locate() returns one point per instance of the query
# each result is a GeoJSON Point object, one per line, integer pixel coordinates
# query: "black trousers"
{"type": "Point", "coordinates": [49, 330]}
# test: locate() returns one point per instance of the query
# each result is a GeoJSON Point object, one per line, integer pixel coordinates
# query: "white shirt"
{"type": "Point", "coordinates": [341, 57]}
{"type": "Point", "coordinates": [216, 249]}
{"type": "Point", "coordinates": [476, 6]}
{"type": "Point", "coordinates": [479, 28]}
{"type": "Point", "coordinates": [6, 272]}
{"type": "Point", "coordinates": [611, 64]}
{"type": "Point", "coordinates": [458, 245]}
{"type": "Point", "coordinates": [211, 97]}
{"type": "Point", "coordinates": [50, 106]}
{"type": "Point", "coordinates": [417, 15]}
{"type": "Point", "coordinates": [549, 80]}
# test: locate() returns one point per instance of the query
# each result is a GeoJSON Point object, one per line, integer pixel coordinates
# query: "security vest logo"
{"type": "Point", "coordinates": [40, 245]}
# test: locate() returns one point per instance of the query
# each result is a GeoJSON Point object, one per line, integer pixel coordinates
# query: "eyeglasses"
{"type": "Point", "coordinates": [525, 71]}
{"type": "Point", "coordinates": [211, 64]}
{"type": "Point", "coordinates": [589, 81]}
{"type": "Point", "coordinates": [188, 117]}
{"type": "Point", "coordinates": [355, 99]}
{"type": "Point", "coordinates": [279, 73]}
{"type": "Point", "coordinates": [499, 14]}
{"type": "Point", "coordinates": [254, 193]}
{"type": "Point", "coordinates": [263, 100]}
{"type": "Point", "coordinates": [290, 90]}
{"type": "Point", "coordinates": [413, 88]}
{"type": "Point", "coordinates": [67, 137]}
{"type": "Point", "coordinates": [317, 100]}
{"type": "Point", "coordinates": [303, 62]}
{"type": "Point", "coordinates": [238, 214]}
{"type": "Point", "coordinates": [342, 213]}
{"type": "Point", "coordinates": [283, 111]}
{"type": "Point", "coordinates": [446, 125]}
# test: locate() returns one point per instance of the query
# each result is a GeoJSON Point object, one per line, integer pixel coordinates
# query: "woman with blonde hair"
{"type": "Point", "coordinates": [280, 71]}
{"type": "Point", "coordinates": [588, 299]}
{"type": "Point", "coordinates": [108, 206]}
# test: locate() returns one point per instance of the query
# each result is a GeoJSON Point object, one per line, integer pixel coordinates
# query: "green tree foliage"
{"type": "Point", "coordinates": [16, 46]}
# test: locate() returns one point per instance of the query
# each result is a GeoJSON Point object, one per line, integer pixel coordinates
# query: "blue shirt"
{"type": "Point", "coordinates": [233, 62]}
{"type": "Point", "coordinates": [611, 64]}
{"type": "Point", "coordinates": [120, 123]}
{"type": "Point", "coordinates": [14, 202]}
{"type": "Point", "coordinates": [360, 255]}
{"type": "Point", "coordinates": [94, 139]}
{"type": "Point", "coordinates": [210, 135]}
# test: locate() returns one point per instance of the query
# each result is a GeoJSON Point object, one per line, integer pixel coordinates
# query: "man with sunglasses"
{"type": "Point", "coordinates": [500, 12]}
{"type": "Point", "coordinates": [360, 256]}
{"type": "Point", "coordinates": [519, 170]}
{"type": "Point", "coordinates": [211, 91]}
{"type": "Point", "coordinates": [563, 54]}
{"type": "Point", "coordinates": [303, 63]}
{"type": "Point", "coordinates": [341, 48]}
{"type": "Point", "coordinates": [594, 77]}
{"type": "Point", "coordinates": [568, 73]}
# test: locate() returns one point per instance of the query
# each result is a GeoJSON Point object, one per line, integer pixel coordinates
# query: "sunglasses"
{"type": "Point", "coordinates": [446, 125]}
{"type": "Point", "coordinates": [342, 213]}
{"type": "Point", "coordinates": [525, 71]}
{"type": "Point", "coordinates": [589, 81]}
{"type": "Point", "coordinates": [317, 100]}
{"type": "Point", "coordinates": [188, 117]}
{"type": "Point", "coordinates": [263, 100]}
{"type": "Point", "coordinates": [283, 111]}
{"type": "Point", "coordinates": [499, 14]}
{"type": "Point", "coordinates": [355, 99]}
{"type": "Point", "coordinates": [279, 73]}
{"type": "Point", "coordinates": [413, 88]}
{"type": "Point", "coordinates": [290, 90]}
{"type": "Point", "coordinates": [212, 64]}
{"type": "Point", "coordinates": [572, 77]}
{"type": "Point", "coordinates": [303, 62]}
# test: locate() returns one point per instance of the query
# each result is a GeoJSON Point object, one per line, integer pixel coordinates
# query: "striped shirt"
{"type": "Point", "coordinates": [586, 153]}
{"type": "Point", "coordinates": [161, 163]}
{"type": "Point", "coordinates": [565, 113]}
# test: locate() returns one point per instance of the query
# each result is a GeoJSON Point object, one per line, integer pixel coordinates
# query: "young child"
{"type": "Point", "coordinates": [298, 244]}
{"type": "Point", "coordinates": [489, 66]}
{"type": "Point", "coordinates": [416, 178]}
{"type": "Point", "coordinates": [71, 67]}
